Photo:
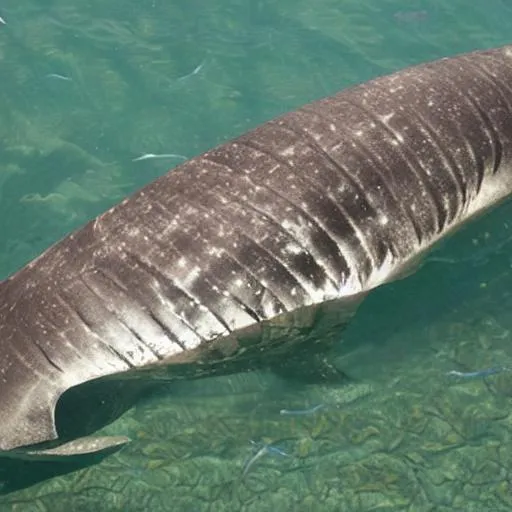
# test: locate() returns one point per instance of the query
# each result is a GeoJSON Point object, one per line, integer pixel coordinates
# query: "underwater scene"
{"type": "Point", "coordinates": [98, 99]}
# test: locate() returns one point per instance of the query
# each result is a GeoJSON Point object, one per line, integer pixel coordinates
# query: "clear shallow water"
{"type": "Point", "coordinates": [85, 90]}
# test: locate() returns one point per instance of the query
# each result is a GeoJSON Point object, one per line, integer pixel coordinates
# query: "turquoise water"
{"type": "Point", "coordinates": [89, 87]}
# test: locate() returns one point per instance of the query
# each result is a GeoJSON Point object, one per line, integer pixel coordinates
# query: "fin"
{"type": "Point", "coordinates": [89, 445]}
{"type": "Point", "coordinates": [36, 380]}
{"type": "Point", "coordinates": [22, 468]}
{"type": "Point", "coordinates": [309, 360]}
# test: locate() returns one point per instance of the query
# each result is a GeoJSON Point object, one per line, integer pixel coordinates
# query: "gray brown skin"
{"type": "Point", "coordinates": [258, 248]}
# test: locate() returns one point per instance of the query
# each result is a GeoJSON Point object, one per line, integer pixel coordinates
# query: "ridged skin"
{"type": "Point", "coordinates": [307, 212]}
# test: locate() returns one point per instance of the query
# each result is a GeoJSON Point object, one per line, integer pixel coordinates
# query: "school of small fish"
{"type": "Point", "coordinates": [269, 448]}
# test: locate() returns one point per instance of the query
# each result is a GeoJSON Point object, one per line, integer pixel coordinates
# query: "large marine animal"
{"type": "Point", "coordinates": [255, 253]}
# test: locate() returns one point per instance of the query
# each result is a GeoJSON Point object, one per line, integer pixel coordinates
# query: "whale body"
{"type": "Point", "coordinates": [258, 247]}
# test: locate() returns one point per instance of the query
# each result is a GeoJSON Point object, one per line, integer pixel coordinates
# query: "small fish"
{"type": "Point", "coordinates": [149, 156]}
{"type": "Point", "coordinates": [301, 412]}
{"type": "Point", "coordinates": [265, 448]}
{"type": "Point", "coordinates": [480, 373]}
{"type": "Point", "coordinates": [194, 72]}
{"type": "Point", "coordinates": [2, 21]}
{"type": "Point", "coordinates": [277, 451]}
{"type": "Point", "coordinates": [59, 77]}
{"type": "Point", "coordinates": [271, 448]}
{"type": "Point", "coordinates": [410, 16]}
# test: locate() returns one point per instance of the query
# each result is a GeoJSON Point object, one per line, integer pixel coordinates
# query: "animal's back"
{"type": "Point", "coordinates": [322, 204]}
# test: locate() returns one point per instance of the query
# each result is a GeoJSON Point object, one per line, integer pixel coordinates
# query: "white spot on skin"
{"type": "Point", "coordinates": [386, 117]}
{"type": "Point", "coordinates": [290, 151]}
{"type": "Point", "coordinates": [294, 248]}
